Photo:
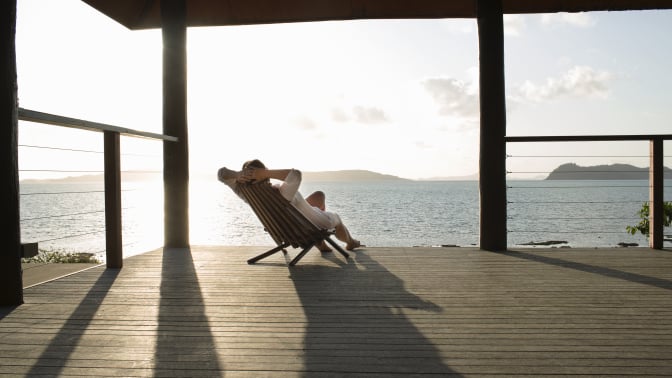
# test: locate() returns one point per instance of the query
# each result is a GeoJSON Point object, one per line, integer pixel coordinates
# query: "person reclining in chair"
{"type": "Point", "coordinates": [313, 207]}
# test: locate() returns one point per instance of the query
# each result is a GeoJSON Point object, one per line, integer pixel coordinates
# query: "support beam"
{"type": "Point", "coordinates": [113, 228]}
{"type": "Point", "coordinates": [656, 185]}
{"type": "Point", "coordinates": [175, 154]}
{"type": "Point", "coordinates": [492, 160]}
{"type": "Point", "coordinates": [11, 285]}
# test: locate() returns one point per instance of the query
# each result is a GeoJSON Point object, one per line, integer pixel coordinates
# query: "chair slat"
{"type": "Point", "coordinates": [257, 206]}
{"type": "Point", "coordinates": [296, 228]}
{"type": "Point", "coordinates": [286, 225]}
{"type": "Point", "coordinates": [281, 219]}
{"type": "Point", "coordinates": [273, 208]}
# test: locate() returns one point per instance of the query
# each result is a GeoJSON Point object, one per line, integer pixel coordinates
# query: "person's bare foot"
{"type": "Point", "coordinates": [353, 244]}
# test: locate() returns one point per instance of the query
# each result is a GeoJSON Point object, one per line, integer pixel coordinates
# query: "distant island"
{"type": "Point", "coordinates": [326, 176]}
{"type": "Point", "coordinates": [471, 177]}
{"type": "Point", "coordinates": [125, 176]}
{"type": "Point", "coordinates": [350, 175]}
{"type": "Point", "coordinates": [572, 171]}
{"type": "Point", "coordinates": [568, 171]}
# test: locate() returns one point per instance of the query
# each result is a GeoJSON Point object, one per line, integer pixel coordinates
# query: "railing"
{"type": "Point", "coordinates": [111, 172]}
{"type": "Point", "coordinates": [656, 174]}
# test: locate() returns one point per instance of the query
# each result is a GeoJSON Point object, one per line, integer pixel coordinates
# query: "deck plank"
{"type": "Point", "coordinates": [387, 311]}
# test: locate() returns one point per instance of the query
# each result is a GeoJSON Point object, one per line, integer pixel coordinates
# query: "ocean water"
{"type": "Point", "coordinates": [70, 217]}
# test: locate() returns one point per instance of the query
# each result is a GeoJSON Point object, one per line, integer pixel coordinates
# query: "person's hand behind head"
{"type": "Point", "coordinates": [251, 174]}
{"type": "Point", "coordinates": [251, 171]}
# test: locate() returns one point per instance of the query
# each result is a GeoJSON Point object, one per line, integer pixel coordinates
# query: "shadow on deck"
{"type": "Point", "coordinates": [386, 311]}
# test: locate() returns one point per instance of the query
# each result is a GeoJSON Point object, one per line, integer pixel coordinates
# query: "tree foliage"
{"type": "Point", "coordinates": [643, 225]}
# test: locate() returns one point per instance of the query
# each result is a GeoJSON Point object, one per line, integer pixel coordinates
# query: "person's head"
{"type": "Point", "coordinates": [255, 164]}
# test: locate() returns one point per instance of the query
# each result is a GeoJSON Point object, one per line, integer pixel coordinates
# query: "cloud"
{"type": "Point", "coordinates": [580, 81]}
{"type": "Point", "coordinates": [513, 24]}
{"type": "Point", "coordinates": [305, 123]}
{"type": "Point", "coordinates": [339, 115]}
{"type": "Point", "coordinates": [361, 114]}
{"type": "Point", "coordinates": [582, 20]}
{"type": "Point", "coordinates": [369, 115]}
{"type": "Point", "coordinates": [459, 26]}
{"type": "Point", "coordinates": [453, 97]}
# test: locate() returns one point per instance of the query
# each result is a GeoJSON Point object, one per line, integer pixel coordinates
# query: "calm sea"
{"type": "Point", "coordinates": [70, 217]}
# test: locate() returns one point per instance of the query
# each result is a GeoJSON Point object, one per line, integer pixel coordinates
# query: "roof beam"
{"type": "Point", "coordinates": [146, 14]}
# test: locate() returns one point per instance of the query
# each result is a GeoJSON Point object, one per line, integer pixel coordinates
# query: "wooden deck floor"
{"type": "Point", "coordinates": [388, 311]}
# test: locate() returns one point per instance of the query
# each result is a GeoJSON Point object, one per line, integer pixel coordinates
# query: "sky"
{"type": "Point", "coordinates": [397, 97]}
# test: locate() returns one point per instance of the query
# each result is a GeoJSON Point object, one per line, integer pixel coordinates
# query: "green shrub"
{"type": "Point", "coordinates": [51, 256]}
{"type": "Point", "coordinates": [643, 225]}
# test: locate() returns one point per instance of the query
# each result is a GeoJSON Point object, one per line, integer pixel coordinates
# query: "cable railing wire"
{"type": "Point", "coordinates": [60, 149]}
{"type": "Point", "coordinates": [581, 156]}
{"type": "Point", "coordinates": [71, 192]}
{"type": "Point", "coordinates": [570, 171]}
{"type": "Point", "coordinates": [78, 203]}
{"type": "Point", "coordinates": [583, 194]}
{"type": "Point", "coordinates": [60, 171]}
{"type": "Point", "coordinates": [578, 186]}
{"type": "Point", "coordinates": [72, 214]}
{"type": "Point", "coordinates": [62, 215]}
{"type": "Point", "coordinates": [75, 216]}
{"type": "Point", "coordinates": [72, 236]}
{"type": "Point", "coordinates": [578, 218]}
{"type": "Point", "coordinates": [87, 151]}
{"type": "Point", "coordinates": [565, 232]}
{"type": "Point", "coordinates": [574, 202]}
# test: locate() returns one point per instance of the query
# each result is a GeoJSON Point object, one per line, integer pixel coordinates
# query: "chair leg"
{"type": "Point", "coordinates": [300, 255]}
{"type": "Point", "coordinates": [338, 247]}
{"type": "Point", "coordinates": [279, 248]}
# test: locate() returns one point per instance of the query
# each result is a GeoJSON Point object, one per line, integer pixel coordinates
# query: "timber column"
{"type": "Point", "coordinates": [492, 159]}
{"type": "Point", "coordinates": [175, 154]}
{"type": "Point", "coordinates": [11, 284]}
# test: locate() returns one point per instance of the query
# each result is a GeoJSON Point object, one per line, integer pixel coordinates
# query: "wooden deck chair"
{"type": "Point", "coordinates": [286, 225]}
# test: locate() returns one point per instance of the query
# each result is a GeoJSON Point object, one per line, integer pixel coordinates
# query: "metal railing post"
{"type": "Point", "coordinates": [113, 229]}
{"type": "Point", "coordinates": [656, 185]}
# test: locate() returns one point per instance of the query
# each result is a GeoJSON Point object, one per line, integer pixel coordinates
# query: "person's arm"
{"type": "Point", "coordinates": [231, 179]}
{"type": "Point", "coordinates": [291, 179]}
{"type": "Point", "coordinates": [258, 174]}
{"type": "Point", "coordinates": [227, 175]}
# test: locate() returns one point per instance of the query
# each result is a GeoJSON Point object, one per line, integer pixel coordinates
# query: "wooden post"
{"type": "Point", "coordinates": [492, 163]}
{"type": "Point", "coordinates": [175, 154]}
{"type": "Point", "coordinates": [656, 185]}
{"type": "Point", "coordinates": [113, 228]}
{"type": "Point", "coordinates": [11, 285]}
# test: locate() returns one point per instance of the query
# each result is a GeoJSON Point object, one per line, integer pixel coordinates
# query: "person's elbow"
{"type": "Point", "coordinates": [293, 176]}
{"type": "Point", "coordinates": [225, 174]}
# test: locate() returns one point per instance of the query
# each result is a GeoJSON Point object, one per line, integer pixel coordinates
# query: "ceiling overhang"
{"type": "Point", "coordinates": [145, 14]}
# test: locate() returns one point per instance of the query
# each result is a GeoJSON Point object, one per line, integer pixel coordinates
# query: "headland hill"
{"type": "Point", "coordinates": [572, 171]}
{"type": "Point", "coordinates": [353, 175]}
{"type": "Point", "coordinates": [567, 171]}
